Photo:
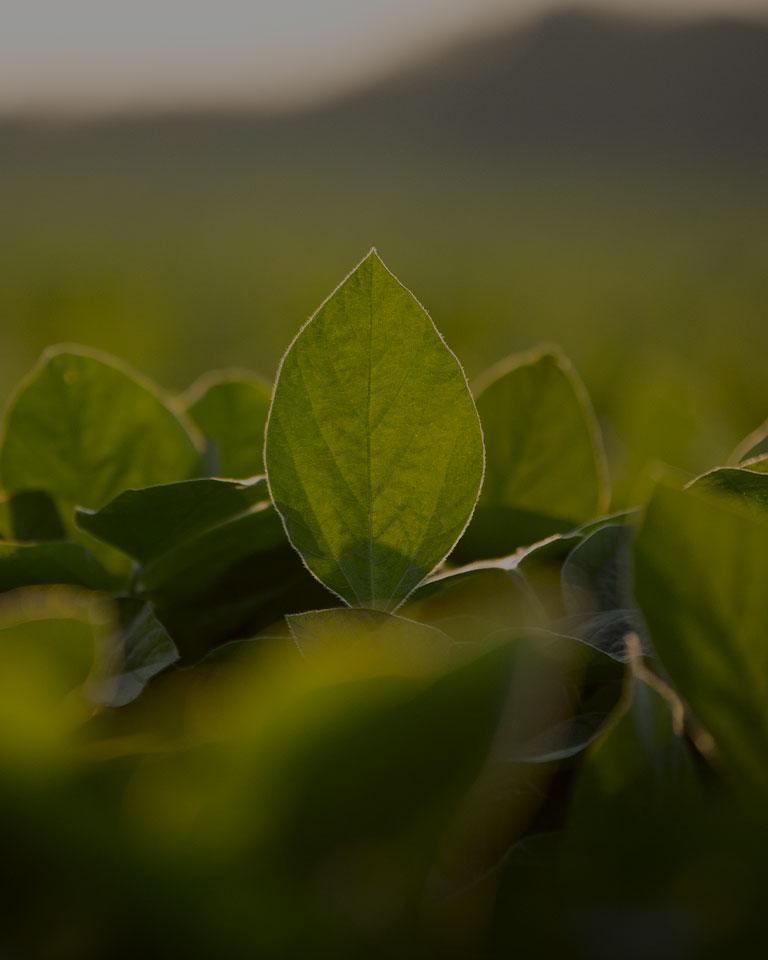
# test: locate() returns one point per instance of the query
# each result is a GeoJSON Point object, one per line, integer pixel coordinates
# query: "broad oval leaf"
{"type": "Point", "coordinates": [83, 427]}
{"type": "Point", "coordinates": [374, 450]}
{"type": "Point", "coordinates": [545, 470]}
{"type": "Point", "coordinates": [230, 408]}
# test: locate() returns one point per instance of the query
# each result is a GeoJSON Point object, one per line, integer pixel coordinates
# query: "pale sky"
{"type": "Point", "coordinates": [95, 55]}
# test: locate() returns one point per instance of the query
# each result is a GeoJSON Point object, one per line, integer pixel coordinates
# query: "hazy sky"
{"type": "Point", "coordinates": [103, 54]}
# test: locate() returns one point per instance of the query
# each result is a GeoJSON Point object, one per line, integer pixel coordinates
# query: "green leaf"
{"type": "Point", "coordinates": [142, 650]}
{"type": "Point", "coordinates": [701, 567]}
{"type": "Point", "coordinates": [30, 564]}
{"type": "Point", "coordinates": [148, 523]}
{"type": "Point", "coordinates": [472, 602]}
{"type": "Point", "coordinates": [596, 573]}
{"type": "Point", "coordinates": [230, 409]}
{"type": "Point", "coordinates": [404, 643]}
{"type": "Point", "coordinates": [34, 516]}
{"type": "Point", "coordinates": [83, 427]}
{"type": "Point", "coordinates": [749, 488]}
{"type": "Point", "coordinates": [53, 642]}
{"type": "Point", "coordinates": [215, 560]}
{"type": "Point", "coordinates": [545, 470]}
{"type": "Point", "coordinates": [374, 450]}
{"type": "Point", "coordinates": [755, 445]}
{"type": "Point", "coordinates": [560, 694]}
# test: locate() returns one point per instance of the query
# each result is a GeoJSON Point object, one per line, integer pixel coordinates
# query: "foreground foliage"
{"type": "Point", "coordinates": [412, 690]}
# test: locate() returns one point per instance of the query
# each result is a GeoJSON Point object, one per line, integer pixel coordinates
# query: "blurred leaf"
{"type": "Point", "coordinates": [701, 572]}
{"type": "Point", "coordinates": [596, 573]}
{"type": "Point", "coordinates": [545, 470]}
{"type": "Point", "coordinates": [30, 564]}
{"type": "Point", "coordinates": [561, 692]}
{"type": "Point", "coordinates": [376, 636]}
{"type": "Point", "coordinates": [471, 602]}
{"type": "Point", "coordinates": [596, 582]}
{"type": "Point", "coordinates": [374, 449]}
{"type": "Point", "coordinates": [34, 516]}
{"type": "Point", "coordinates": [748, 487]}
{"type": "Point", "coordinates": [52, 644]}
{"type": "Point", "coordinates": [230, 409]}
{"type": "Point", "coordinates": [150, 522]}
{"type": "Point", "coordinates": [143, 650]}
{"type": "Point", "coordinates": [606, 630]}
{"type": "Point", "coordinates": [755, 445]}
{"type": "Point", "coordinates": [83, 427]}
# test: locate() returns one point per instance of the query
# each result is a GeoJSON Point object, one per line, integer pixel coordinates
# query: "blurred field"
{"type": "Point", "coordinates": [592, 180]}
{"type": "Point", "coordinates": [654, 280]}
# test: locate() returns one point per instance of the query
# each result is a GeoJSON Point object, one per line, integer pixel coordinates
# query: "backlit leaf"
{"type": "Point", "coordinates": [374, 450]}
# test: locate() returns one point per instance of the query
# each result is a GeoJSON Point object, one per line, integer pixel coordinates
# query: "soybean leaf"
{"type": "Point", "coordinates": [746, 486]}
{"type": "Point", "coordinates": [142, 649]}
{"type": "Point", "coordinates": [545, 470]}
{"type": "Point", "coordinates": [214, 558]}
{"type": "Point", "coordinates": [701, 568]}
{"type": "Point", "coordinates": [754, 445]}
{"type": "Point", "coordinates": [374, 450]}
{"type": "Point", "coordinates": [83, 427]}
{"type": "Point", "coordinates": [230, 409]}
{"type": "Point", "coordinates": [149, 522]}
{"type": "Point", "coordinates": [33, 515]}
{"type": "Point", "coordinates": [607, 630]}
{"type": "Point", "coordinates": [596, 573]}
{"type": "Point", "coordinates": [53, 642]}
{"type": "Point", "coordinates": [472, 602]}
{"type": "Point", "coordinates": [403, 643]}
{"type": "Point", "coordinates": [561, 692]}
{"type": "Point", "coordinates": [61, 562]}
{"type": "Point", "coordinates": [637, 800]}
{"type": "Point", "coordinates": [596, 581]}
{"type": "Point", "coordinates": [542, 563]}
{"type": "Point", "coordinates": [641, 763]}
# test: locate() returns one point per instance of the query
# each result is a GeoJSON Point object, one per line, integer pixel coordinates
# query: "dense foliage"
{"type": "Point", "coordinates": [364, 664]}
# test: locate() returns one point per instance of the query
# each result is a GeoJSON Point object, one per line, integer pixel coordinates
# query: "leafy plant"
{"type": "Point", "coordinates": [340, 695]}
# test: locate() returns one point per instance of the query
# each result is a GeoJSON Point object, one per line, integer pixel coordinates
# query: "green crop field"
{"type": "Point", "coordinates": [367, 658]}
{"type": "Point", "coordinates": [636, 274]}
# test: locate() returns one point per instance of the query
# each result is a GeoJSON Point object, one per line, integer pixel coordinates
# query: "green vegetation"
{"type": "Point", "coordinates": [279, 715]}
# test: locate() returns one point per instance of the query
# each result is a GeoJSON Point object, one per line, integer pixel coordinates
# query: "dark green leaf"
{"type": "Point", "coordinates": [148, 523]}
{"type": "Point", "coordinates": [701, 572]}
{"type": "Point", "coordinates": [30, 564]}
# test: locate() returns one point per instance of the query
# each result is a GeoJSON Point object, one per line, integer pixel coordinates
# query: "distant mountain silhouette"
{"type": "Point", "coordinates": [573, 83]}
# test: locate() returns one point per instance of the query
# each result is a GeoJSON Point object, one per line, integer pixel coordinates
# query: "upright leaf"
{"type": "Point", "coordinates": [545, 469]}
{"type": "Point", "coordinates": [374, 450]}
{"type": "Point", "coordinates": [230, 409]}
{"type": "Point", "coordinates": [83, 428]}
